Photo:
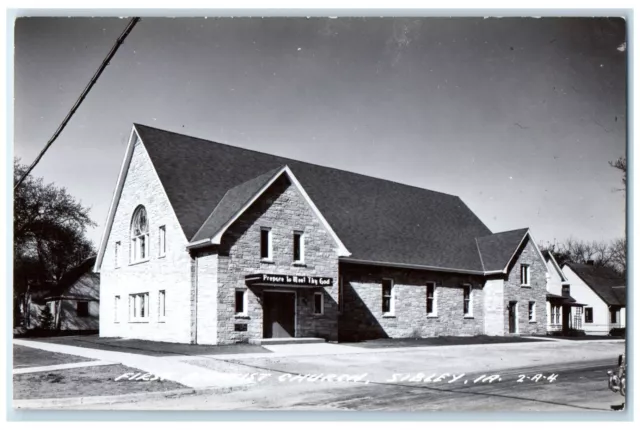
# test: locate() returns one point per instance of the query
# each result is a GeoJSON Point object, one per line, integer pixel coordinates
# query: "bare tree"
{"type": "Point", "coordinates": [621, 164]}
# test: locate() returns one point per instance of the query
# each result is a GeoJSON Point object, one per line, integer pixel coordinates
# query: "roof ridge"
{"type": "Point", "coordinates": [275, 171]}
{"type": "Point", "coordinates": [480, 254]}
{"type": "Point", "coordinates": [298, 161]}
{"type": "Point", "coordinates": [503, 232]}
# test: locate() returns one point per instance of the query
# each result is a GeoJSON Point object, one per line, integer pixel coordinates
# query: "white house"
{"type": "Point", "coordinates": [603, 291]}
{"type": "Point", "coordinates": [564, 312]}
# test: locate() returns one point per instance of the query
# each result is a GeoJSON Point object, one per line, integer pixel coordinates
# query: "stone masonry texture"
{"type": "Point", "coordinates": [537, 292]}
{"type": "Point", "coordinates": [362, 317]}
{"type": "Point", "coordinates": [200, 285]}
{"type": "Point", "coordinates": [283, 209]}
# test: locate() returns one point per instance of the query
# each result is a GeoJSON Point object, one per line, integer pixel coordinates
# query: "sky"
{"type": "Point", "coordinates": [517, 116]}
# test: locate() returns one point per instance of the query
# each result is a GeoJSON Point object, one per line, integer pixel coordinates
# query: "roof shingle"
{"type": "Point", "coordinates": [377, 220]}
{"type": "Point", "coordinates": [604, 281]}
{"type": "Point", "coordinates": [498, 248]}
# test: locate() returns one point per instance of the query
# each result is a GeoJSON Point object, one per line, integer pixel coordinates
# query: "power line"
{"type": "Point", "coordinates": [76, 105]}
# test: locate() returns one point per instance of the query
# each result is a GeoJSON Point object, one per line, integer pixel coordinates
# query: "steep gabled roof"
{"type": "Point", "coordinates": [377, 220]}
{"type": "Point", "coordinates": [604, 281]}
{"type": "Point", "coordinates": [548, 256]}
{"type": "Point", "coordinates": [232, 202]}
{"type": "Point", "coordinates": [497, 249]}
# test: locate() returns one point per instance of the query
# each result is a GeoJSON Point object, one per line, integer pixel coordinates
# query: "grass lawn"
{"type": "Point", "coordinates": [84, 382]}
{"type": "Point", "coordinates": [439, 341]}
{"type": "Point", "coordinates": [24, 356]}
{"type": "Point", "coordinates": [146, 347]}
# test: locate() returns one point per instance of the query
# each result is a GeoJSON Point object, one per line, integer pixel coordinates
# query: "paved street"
{"type": "Point", "coordinates": [546, 376]}
{"type": "Point", "coordinates": [583, 389]}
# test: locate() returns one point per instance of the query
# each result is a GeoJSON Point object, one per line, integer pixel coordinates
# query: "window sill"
{"type": "Point", "coordinates": [162, 256]}
{"type": "Point", "coordinates": [525, 286]}
{"type": "Point", "coordinates": [139, 322]}
{"type": "Point", "coordinates": [267, 261]}
{"type": "Point", "coordinates": [432, 316]}
{"type": "Point", "coordinates": [388, 316]}
{"type": "Point", "coordinates": [139, 262]}
{"type": "Point", "coordinates": [242, 316]}
{"type": "Point", "coordinates": [318, 315]}
{"type": "Point", "coordinates": [299, 264]}
{"type": "Point", "coordinates": [533, 322]}
{"type": "Point", "coordinates": [468, 317]}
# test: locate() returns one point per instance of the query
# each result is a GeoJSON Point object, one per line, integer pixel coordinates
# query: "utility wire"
{"type": "Point", "coordinates": [76, 105]}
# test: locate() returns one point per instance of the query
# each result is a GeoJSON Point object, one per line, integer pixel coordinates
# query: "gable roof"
{"type": "Point", "coordinates": [604, 281]}
{"type": "Point", "coordinates": [548, 256]}
{"type": "Point", "coordinates": [497, 249]}
{"type": "Point", "coordinates": [373, 221]}
{"type": "Point", "coordinates": [232, 202]}
{"type": "Point", "coordinates": [377, 220]}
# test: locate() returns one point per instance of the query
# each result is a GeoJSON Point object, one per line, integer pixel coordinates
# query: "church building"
{"type": "Point", "coordinates": [207, 243]}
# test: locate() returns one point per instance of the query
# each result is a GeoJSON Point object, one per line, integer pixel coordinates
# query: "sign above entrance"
{"type": "Point", "coordinates": [292, 280]}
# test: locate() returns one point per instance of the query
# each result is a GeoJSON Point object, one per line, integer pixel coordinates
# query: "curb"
{"type": "Point", "coordinates": [57, 403]}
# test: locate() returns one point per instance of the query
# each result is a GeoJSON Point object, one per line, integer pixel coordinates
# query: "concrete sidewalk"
{"type": "Point", "coordinates": [172, 370]}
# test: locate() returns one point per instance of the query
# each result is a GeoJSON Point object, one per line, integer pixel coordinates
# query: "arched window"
{"type": "Point", "coordinates": [139, 235]}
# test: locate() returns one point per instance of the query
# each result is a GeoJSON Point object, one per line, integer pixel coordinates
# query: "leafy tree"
{"type": "Point", "coordinates": [49, 228]}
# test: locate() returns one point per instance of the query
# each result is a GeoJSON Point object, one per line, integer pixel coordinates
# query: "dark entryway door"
{"type": "Point", "coordinates": [279, 314]}
{"type": "Point", "coordinates": [512, 317]}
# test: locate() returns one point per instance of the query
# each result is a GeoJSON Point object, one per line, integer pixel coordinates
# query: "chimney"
{"type": "Point", "coordinates": [590, 262]}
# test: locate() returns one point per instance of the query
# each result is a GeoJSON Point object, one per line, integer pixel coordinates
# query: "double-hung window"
{"type": "Point", "coordinates": [298, 247]}
{"type": "Point", "coordinates": [524, 275]}
{"type": "Point", "coordinates": [139, 307]}
{"type": "Point", "coordinates": [388, 305]}
{"type": "Point", "coordinates": [532, 311]}
{"type": "Point", "coordinates": [162, 241]}
{"type": "Point", "coordinates": [431, 299]}
{"type": "Point", "coordinates": [588, 315]}
{"type": "Point", "coordinates": [117, 254]}
{"type": "Point", "coordinates": [265, 244]}
{"type": "Point", "coordinates": [241, 302]}
{"type": "Point", "coordinates": [162, 305]}
{"type": "Point", "coordinates": [467, 300]}
{"type": "Point", "coordinates": [116, 309]}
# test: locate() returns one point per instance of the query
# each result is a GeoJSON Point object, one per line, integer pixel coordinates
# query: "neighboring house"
{"type": "Point", "coordinates": [212, 244]}
{"type": "Point", "coordinates": [603, 292]}
{"type": "Point", "coordinates": [563, 311]}
{"type": "Point", "coordinates": [73, 302]}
